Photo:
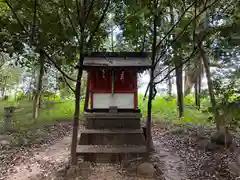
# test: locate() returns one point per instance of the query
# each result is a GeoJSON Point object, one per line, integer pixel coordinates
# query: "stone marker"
{"type": "Point", "coordinates": [146, 170]}
{"type": "Point", "coordinates": [8, 118]}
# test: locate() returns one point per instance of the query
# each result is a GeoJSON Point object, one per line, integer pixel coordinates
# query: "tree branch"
{"type": "Point", "coordinates": [56, 66]}
{"type": "Point", "coordinates": [174, 40]}
{"type": "Point", "coordinates": [71, 22]}
{"type": "Point", "coordinates": [89, 10]}
{"type": "Point", "coordinates": [40, 48]}
{"type": "Point", "coordinates": [184, 62]}
{"type": "Point", "coordinates": [65, 80]}
{"type": "Point", "coordinates": [16, 16]}
{"type": "Point", "coordinates": [98, 24]}
{"type": "Point", "coordinates": [195, 49]}
{"type": "Point", "coordinates": [78, 13]}
{"type": "Point", "coordinates": [179, 20]}
{"type": "Point", "coordinates": [188, 59]}
{"type": "Point", "coordinates": [34, 22]}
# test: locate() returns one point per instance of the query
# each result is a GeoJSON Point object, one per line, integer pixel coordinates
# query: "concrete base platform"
{"type": "Point", "coordinates": [111, 137]}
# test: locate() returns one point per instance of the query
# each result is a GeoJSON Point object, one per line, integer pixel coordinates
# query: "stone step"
{"type": "Point", "coordinates": [112, 120]}
{"type": "Point", "coordinates": [112, 137]}
{"type": "Point", "coordinates": [109, 154]}
{"type": "Point", "coordinates": [107, 123]}
{"type": "Point", "coordinates": [112, 131]}
{"type": "Point", "coordinates": [118, 115]}
{"type": "Point", "coordinates": [83, 149]}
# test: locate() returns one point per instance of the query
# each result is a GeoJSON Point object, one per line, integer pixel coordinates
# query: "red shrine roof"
{"type": "Point", "coordinates": [117, 59]}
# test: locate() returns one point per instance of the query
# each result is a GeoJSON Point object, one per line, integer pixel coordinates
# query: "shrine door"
{"type": "Point", "coordinates": [113, 88]}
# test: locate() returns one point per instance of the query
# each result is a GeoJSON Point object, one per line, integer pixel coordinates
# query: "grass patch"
{"type": "Point", "coordinates": [165, 109]}
{"type": "Point", "coordinates": [50, 111]}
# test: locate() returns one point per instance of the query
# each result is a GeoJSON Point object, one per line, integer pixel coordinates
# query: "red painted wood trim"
{"type": "Point", "coordinates": [116, 91]}
{"type": "Point", "coordinates": [94, 76]}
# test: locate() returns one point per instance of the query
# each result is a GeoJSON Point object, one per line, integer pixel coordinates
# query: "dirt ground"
{"type": "Point", "coordinates": [176, 157]}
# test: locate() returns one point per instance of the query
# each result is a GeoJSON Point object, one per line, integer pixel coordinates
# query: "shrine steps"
{"type": "Point", "coordinates": [112, 137]}
{"type": "Point", "coordinates": [111, 145]}
{"type": "Point", "coordinates": [113, 120]}
{"type": "Point", "coordinates": [109, 154]}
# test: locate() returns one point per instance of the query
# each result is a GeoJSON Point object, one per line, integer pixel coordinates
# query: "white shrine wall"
{"type": "Point", "coordinates": [105, 100]}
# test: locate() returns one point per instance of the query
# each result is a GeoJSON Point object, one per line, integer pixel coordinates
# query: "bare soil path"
{"type": "Point", "coordinates": [43, 162]}
{"type": "Point", "coordinates": [181, 154]}
{"type": "Point", "coordinates": [175, 159]}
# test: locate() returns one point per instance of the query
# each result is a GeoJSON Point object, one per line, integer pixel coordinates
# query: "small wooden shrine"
{"type": "Point", "coordinates": [112, 117]}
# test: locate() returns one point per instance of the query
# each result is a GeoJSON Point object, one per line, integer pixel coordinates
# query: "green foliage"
{"type": "Point", "coordinates": [60, 110]}
{"type": "Point", "coordinates": [55, 27]}
{"type": "Point", "coordinates": [9, 78]}
{"type": "Point", "coordinates": [165, 109]}
{"type": "Point", "coordinates": [228, 103]}
{"type": "Point", "coordinates": [50, 112]}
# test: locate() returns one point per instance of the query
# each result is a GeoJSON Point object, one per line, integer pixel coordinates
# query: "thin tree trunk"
{"type": "Point", "coordinates": [149, 114]}
{"type": "Point", "coordinates": [76, 114]}
{"type": "Point", "coordinates": [178, 70]}
{"type": "Point", "coordinates": [151, 87]}
{"type": "Point", "coordinates": [179, 81]}
{"type": "Point", "coordinates": [15, 93]}
{"type": "Point", "coordinates": [198, 91]}
{"type": "Point", "coordinates": [210, 87]}
{"type": "Point", "coordinates": [169, 84]}
{"type": "Point", "coordinates": [112, 41]}
{"type": "Point", "coordinates": [77, 101]}
{"type": "Point", "coordinates": [82, 21]}
{"type": "Point", "coordinates": [37, 95]}
{"type": "Point", "coordinates": [87, 94]}
{"type": "Point", "coordinates": [3, 92]}
{"type": "Point", "coordinates": [4, 87]}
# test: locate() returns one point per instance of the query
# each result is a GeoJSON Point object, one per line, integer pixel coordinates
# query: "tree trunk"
{"type": "Point", "coordinates": [15, 93]}
{"type": "Point", "coordinates": [4, 87]}
{"type": "Point", "coordinates": [149, 115]}
{"type": "Point", "coordinates": [82, 23]}
{"type": "Point", "coordinates": [197, 92]}
{"type": "Point", "coordinates": [151, 87]}
{"type": "Point", "coordinates": [178, 69]}
{"type": "Point", "coordinates": [179, 83]}
{"type": "Point", "coordinates": [86, 102]}
{"type": "Point", "coordinates": [169, 84]}
{"type": "Point", "coordinates": [77, 101]}
{"type": "Point", "coordinates": [210, 87]}
{"type": "Point", "coordinates": [37, 94]}
{"type": "Point", "coordinates": [76, 114]}
{"type": "Point", "coordinates": [3, 91]}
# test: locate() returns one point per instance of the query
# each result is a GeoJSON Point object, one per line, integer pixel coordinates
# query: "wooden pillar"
{"type": "Point", "coordinates": [86, 103]}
